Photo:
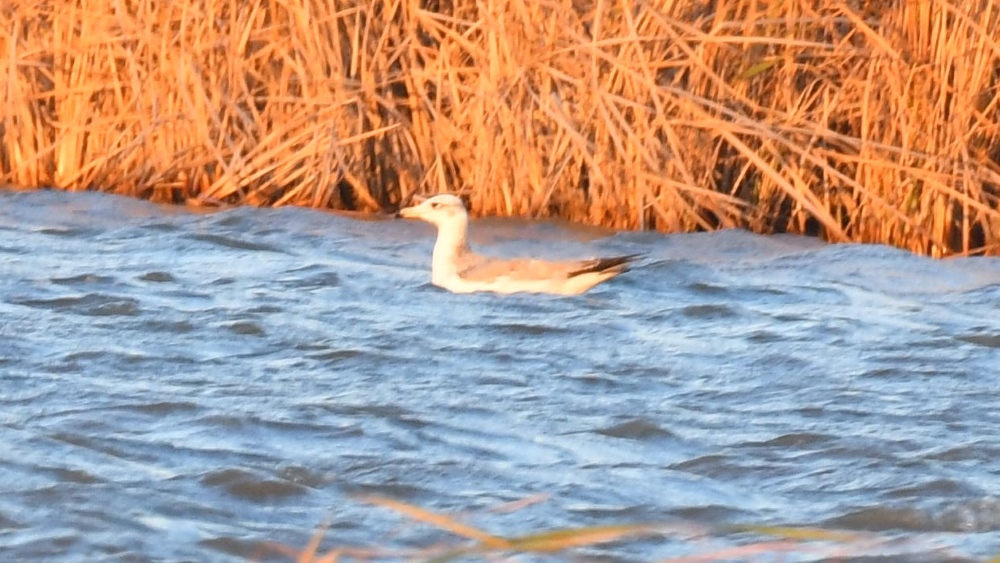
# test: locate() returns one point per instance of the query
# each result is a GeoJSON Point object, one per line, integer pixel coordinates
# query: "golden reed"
{"type": "Point", "coordinates": [857, 121]}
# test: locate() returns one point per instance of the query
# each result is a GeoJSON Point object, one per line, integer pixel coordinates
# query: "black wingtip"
{"type": "Point", "coordinates": [618, 263]}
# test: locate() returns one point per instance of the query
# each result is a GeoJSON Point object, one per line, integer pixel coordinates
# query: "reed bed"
{"type": "Point", "coordinates": [851, 120]}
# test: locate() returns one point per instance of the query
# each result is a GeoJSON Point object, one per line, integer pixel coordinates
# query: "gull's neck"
{"type": "Point", "coordinates": [452, 244]}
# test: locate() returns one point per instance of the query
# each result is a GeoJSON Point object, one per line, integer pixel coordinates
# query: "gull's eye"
{"type": "Point", "coordinates": [435, 205]}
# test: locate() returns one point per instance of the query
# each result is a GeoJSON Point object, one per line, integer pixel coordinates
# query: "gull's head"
{"type": "Point", "coordinates": [440, 210]}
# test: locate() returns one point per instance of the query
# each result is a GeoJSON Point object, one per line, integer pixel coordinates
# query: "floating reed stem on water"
{"type": "Point", "coordinates": [697, 543]}
{"type": "Point", "coordinates": [851, 120]}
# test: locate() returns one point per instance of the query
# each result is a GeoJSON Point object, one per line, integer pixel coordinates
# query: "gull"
{"type": "Point", "coordinates": [455, 267]}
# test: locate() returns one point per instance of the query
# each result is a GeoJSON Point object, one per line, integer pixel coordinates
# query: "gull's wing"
{"type": "Point", "coordinates": [483, 269]}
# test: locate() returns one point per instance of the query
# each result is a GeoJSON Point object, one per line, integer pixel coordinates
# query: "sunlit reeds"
{"type": "Point", "coordinates": [856, 121]}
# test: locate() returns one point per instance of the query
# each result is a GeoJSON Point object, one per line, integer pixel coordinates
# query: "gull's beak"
{"type": "Point", "coordinates": [407, 212]}
{"type": "Point", "coordinates": [411, 211]}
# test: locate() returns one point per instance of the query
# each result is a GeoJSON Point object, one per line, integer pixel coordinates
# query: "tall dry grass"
{"type": "Point", "coordinates": [854, 120]}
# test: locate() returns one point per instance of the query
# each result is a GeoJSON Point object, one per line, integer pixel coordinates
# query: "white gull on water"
{"type": "Point", "coordinates": [456, 268]}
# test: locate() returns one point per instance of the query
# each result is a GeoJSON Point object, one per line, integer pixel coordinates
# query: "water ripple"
{"type": "Point", "coordinates": [91, 304]}
{"type": "Point", "coordinates": [194, 386]}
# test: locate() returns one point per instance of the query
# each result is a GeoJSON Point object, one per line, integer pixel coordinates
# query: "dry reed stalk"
{"type": "Point", "coordinates": [698, 538]}
{"type": "Point", "coordinates": [854, 122]}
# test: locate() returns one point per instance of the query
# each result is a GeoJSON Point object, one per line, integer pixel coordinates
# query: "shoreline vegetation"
{"type": "Point", "coordinates": [852, 121]}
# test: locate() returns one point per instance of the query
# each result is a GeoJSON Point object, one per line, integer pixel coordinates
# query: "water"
{"type": "Point", "coordinates": [179, 386]}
